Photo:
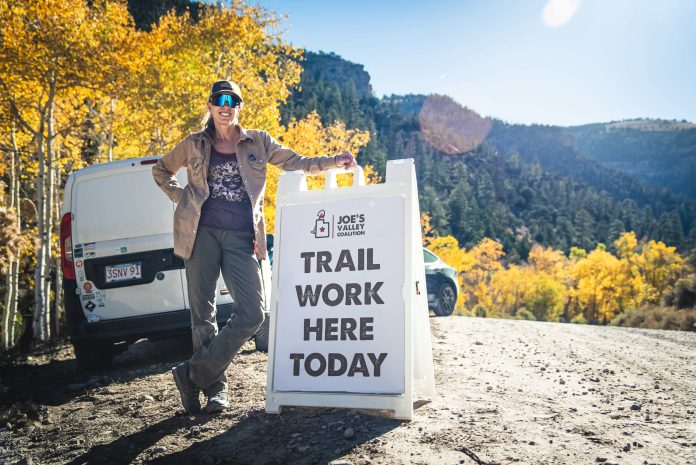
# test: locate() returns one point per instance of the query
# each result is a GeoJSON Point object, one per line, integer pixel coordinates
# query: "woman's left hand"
{"type": "Point", "coordinates": [346, 160]}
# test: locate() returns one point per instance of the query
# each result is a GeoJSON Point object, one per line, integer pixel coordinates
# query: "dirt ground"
{"type": "Point", "coordinates": [508, 392]}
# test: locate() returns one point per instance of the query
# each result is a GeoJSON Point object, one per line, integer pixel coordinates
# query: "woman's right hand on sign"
{"type": "Point", "coordinates": [346, 160]}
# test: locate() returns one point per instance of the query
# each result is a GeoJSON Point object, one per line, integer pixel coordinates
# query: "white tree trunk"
{"type": "Point", "coordinates": [12, 306]}
{"type": "Point", "coordinates": [10, 300]}
{"type": "Point", "coordinates": [48, 228]}
{"type": "Point", "coordinates": [6, 323]}
{"type": "Point", "coordinates": [58, 281]}
{"type": "Point", "coordinates": [40, 270]}
{"type": "Point", "coordinates": [42, 330]}
{"type": "Point", "coordinates": [110, 153]}
{"type": "Point", "coordinates": [6, 310]}
{"type": "Point", "coordinates": [57, 299]}
{"type": "Point", "coordinates": [14, 270]}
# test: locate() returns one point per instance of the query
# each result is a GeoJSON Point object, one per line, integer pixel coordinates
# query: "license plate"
{"type": "Point", "coordinates": [123, 272]}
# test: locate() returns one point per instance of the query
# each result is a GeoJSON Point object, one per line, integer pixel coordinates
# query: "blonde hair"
{"type": "Point", "coordinates": [207, 123]}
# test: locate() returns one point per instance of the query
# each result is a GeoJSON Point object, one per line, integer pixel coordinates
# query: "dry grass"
{"type": "Point", "coordinates": [658, 318]}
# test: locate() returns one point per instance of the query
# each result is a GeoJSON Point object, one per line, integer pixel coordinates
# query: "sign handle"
{"type": "Point", "coordinates": [358, 176]}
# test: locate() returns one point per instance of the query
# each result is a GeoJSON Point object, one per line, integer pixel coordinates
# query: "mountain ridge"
{"type": "Point", "coordinates": [484, 177]}
{"type": "Point", "coordinates": [661, 153]}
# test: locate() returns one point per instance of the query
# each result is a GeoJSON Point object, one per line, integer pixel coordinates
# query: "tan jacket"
{"type": "Point", "coordinates": [254, 150]}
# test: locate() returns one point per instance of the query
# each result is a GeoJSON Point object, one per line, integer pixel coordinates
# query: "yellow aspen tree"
{"type": "Point", "coordinates": [630, 281]}
{"type": "Point", "coordinates": [17, 151]}
{"type": "Point", "coordinates": [176, 63]}
{"type": "Point", "coordinates": [626, 245]}
{"type": "Point", "coordinates": [546, 260]}
{"type": "Point", "coordinates": [570, 276]}
{"type": "Point", "coordinates": [52, 50]}
{"type": "Point", "coordinates": [310, 138]}
{"type": "Point", "coordinates": [545, 296]}
{"type": "Point", "coordinates": [596, 284]}
{"type": "Point", "coordinates": [12, 242]}
{"type": "Point", "coordinates": [484, 259]}
{"type": "Point", "coordinates": [508, 290]}
{"type": "Point", "coordinates": [546, 293]}
{"type": "Point", "coordinates": [661, 267]}
{"type": "Point", "coordinates": [447, 248]}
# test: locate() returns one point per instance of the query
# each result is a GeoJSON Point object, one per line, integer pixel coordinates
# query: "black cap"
{"type": "Point", "coordinates": [226, 87]}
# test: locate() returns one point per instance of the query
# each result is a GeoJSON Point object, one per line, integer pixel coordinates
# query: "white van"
{"type": "Point", "coordinates": [121, 279]}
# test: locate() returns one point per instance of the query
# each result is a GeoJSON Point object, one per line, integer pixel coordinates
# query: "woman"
{"type": "Point", "coordinates": [219, 228]}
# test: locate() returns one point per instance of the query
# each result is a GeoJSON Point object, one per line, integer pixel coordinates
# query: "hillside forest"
{"type": "Point", "coordinates": [500, 200]}
{"type": "Point", "coordinates": [536, 227]}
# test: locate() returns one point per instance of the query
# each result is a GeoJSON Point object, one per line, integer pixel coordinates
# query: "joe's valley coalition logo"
{"type": "Point", "coordinates": [347, 225]}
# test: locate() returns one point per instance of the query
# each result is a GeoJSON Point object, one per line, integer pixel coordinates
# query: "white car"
{"type": "Point", "coordinates": [121, 279]}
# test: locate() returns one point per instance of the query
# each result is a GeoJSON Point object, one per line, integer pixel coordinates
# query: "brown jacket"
{"type": "Point", "coordinates": [254, 150]}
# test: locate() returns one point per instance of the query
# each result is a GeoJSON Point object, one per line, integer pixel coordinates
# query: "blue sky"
{"type": "Point", "coordinates": [610, 60]}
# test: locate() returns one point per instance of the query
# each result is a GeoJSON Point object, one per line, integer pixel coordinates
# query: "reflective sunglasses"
{"type": "Point", "coordinates": [221, 99]}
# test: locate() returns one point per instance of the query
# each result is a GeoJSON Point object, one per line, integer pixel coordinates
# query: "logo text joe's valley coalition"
{"type": "Point", "coordinates": [347, 225]}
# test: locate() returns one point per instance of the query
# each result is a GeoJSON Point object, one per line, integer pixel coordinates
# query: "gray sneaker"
{"type": "Point", "coordinates": [217, 402]}
{"type": "Point", "coordinates": [187, 390]}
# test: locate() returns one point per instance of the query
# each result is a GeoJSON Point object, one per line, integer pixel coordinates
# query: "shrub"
{"type": "Point", "coordinates": [461, 310]}
{"type": "Point", "coordinates": [525, 314]}
{"type": "Point", "coordinates": [545, 298]}
{"type": "Point", "coordinates": [481, 311]}
{"type": "Point", "coordinates": [684, 293]}
{"type": "Point", "coordinates": [579, 319]}
{"type": "Point", "coordinates": [658, 318]}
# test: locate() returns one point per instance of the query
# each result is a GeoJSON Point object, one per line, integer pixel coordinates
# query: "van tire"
{"type": "Point", "coordinates": [93, 355]}
{"type": "Point", "coordinates": [262, 334]}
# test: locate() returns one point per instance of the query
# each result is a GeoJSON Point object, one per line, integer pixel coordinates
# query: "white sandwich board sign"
{"type": "Point", "coordinates": [349, 317]}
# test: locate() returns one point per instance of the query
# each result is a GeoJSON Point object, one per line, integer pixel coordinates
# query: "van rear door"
{"type": "Point", "coordinates": [123, 243]}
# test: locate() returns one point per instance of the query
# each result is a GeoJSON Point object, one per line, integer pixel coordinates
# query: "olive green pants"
{"type": "Point", "coordinates": [232, 254]}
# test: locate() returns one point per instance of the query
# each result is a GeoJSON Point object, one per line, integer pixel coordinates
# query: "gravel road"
{"type": "Point", "coordinates": [507, 391]}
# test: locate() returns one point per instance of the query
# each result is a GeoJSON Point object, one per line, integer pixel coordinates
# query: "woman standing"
{"type": "Point", "coordinates": [219, 228]}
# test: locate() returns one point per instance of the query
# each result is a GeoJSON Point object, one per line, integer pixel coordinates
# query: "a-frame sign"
{"type": "Point", "coordinates": [349, 312]}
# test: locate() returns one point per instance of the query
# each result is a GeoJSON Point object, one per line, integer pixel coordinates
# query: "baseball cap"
{"type": "Point", "coordinates": [226, 87]}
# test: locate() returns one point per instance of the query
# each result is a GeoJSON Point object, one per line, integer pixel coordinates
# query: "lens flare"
{"type": "Point", "coordinates": [558, 12]}
{"type": "Point", "coordinates": [451, 128]}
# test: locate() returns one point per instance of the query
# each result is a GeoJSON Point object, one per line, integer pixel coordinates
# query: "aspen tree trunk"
{"type": "Point", "coordinates": [110, 153]}
{"type": "Point", "coordinates": [48, 228]}
{"type": "Point", "coordinates": [10, 312]}
{"type": "Point", "coordinates": [159, 139]}
{"type": "Point", "coordinates": [14, 270]}
{"type": "Point", "coordinates": [57, 299]}
{"type": "Point", "coordinates": [6, 322]}
{"type": "Point", "coordinates": [39, 271]}
{"type": "Point", "coordinates": [41, 290]}
{"type": "Point", "coordinates": [58, 281]}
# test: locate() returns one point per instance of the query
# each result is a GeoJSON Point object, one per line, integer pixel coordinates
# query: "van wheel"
{"type": "Point", "coordinates": [446, 300]}
{"type": "Point", "coordinates": [262, 334]}
{"type": "Point", "coordinates": [93, 356]}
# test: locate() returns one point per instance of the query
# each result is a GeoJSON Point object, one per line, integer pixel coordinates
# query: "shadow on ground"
{"type": "Point", "coordinates": [298, 436]}
{"type": "Point", "coordinates": [126, 448]}
{"type": "Point", "coordinates": [58, 380]}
